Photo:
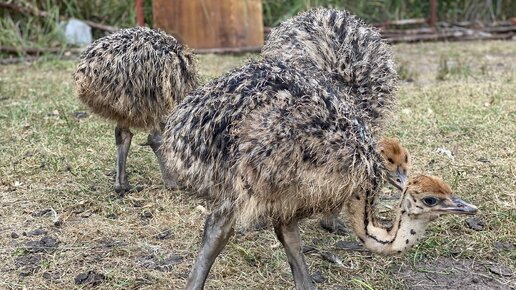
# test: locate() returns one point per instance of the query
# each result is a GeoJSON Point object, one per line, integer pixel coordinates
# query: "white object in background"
{"type": "Point", "coordinates": [446, 152]}
{"type": "Point", "coordinates": [77, 32]}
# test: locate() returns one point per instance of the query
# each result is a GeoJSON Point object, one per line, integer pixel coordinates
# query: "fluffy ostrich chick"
{"type": "Point", "coordinates": [267, 142]}
{"type": "Point", "coordinates": [396, 160]}
{"type": "Point", "coordinates": [135, 77]}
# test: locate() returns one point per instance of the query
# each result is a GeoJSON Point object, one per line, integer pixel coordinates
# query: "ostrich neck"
{"type": "Point", "coordinates": [404, 233]}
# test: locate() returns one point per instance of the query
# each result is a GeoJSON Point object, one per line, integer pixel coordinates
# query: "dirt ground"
{"type": "Point", "coordinates": [63, 227]}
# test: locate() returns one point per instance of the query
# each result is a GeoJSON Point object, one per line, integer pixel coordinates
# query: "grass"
{"type": "Point", "coordinates": [51, 159]}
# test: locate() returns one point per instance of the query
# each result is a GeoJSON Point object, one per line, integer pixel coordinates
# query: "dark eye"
{"type": "Point", "coordinates": [430, 201]}
{"type": "Point", "coordinates": [390, 160]}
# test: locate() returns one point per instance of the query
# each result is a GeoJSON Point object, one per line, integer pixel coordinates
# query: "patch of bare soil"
{"type": "Point", "coordinates": [447, 273]}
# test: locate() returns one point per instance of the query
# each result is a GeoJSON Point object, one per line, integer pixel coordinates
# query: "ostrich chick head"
{"type": "Point", "coordinates": [396, 160]}
{"type": "Point", "coordinates": [429, 197]}
{"type": "Point", "coordinates": [424, 199]}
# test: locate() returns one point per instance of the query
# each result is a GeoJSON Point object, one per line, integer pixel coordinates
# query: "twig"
{"type": "Point", "coordinates": [401, 22]}
{"type": "Point", "coordinates": [229, 50]}
{"type": "Point", "coordinates": [29, 59]}
{"type": "Point", "coordinates": [37, 50]}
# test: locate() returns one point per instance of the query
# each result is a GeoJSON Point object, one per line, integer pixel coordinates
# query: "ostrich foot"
{"type": "Point", "coordinates": [333, 224]}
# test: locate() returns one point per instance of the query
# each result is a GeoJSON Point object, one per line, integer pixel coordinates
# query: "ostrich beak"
{"type": "Point", "coordinates": [401, 178]}
{"type": "Point", "coordinates": [458, 206]}
{"type": "Point", "coordinates": [398, 180]}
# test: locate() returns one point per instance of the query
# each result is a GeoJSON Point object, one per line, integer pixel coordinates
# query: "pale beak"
{"type": "Point", "coordinates": [398, 180]}
{"type": "Point", "coordinates": [394, 183]}
{"type": "Point", "coordinates": [402, 178]}
{"type": "Point", "coordinates": [459, 206]}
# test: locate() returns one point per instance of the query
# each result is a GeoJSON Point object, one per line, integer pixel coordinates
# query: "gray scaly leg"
{"type": "Point", "coordinates": [123, 141]}
{"type": "Point", "coordinates": [218, 228]}
{"type": "Point", "coordinates": [154, 140]}
{"type": "Point", "coordinates": [288, 235]}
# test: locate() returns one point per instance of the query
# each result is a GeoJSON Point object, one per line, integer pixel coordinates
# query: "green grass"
{"type": "Point", "coordinates": [50, 159]}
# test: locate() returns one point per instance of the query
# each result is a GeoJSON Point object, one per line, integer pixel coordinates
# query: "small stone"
{"type": "Point", "coordinates": [28, 264]}
{"type": "Point", "coordinates": [49, 242]}
{"type": "Point", "coordinates": [318, 277]}
{"type": "Point", "coordinates": [14, 235]}
{"type": "Point", "coordinates": [500, 270]}
{"type": "Point", "coordinates": [475, 280]}
{"type": "Point", "coordinates": [475, 223]}
{"type": "Point", "coordinates": [47, 276]}
{"type": "Point", "coordinates": [43, 212]}
{"type": "Point", "coordinates": [146, 214]}
{"type": "Point", "coordinates": [111, 216]}
{"type": "Point", "coordinates": [164, 234]}
{"type": "Point", "coordinates": [80, 114]}
{"type": "Point", "coordinates": [91, 278]}
{"type": "Point", "coordinates": [54, 113]}
{"type": "Point", "coordinates": [45, 244]}
{"type": "Point", "coordinates": [25, 272]}
{"type": "Point", "coordinates": [201, 209]}
{"type": "Point", "coordinates": [36, 232]}
{"type": "Point", "coordinates": [483, 160]}
{"type": "Point", "coordinates": [503, 246]}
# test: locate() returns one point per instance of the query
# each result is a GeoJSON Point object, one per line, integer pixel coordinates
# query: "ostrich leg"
{"type": "Point", "coordinates": [123, 141]}
{"type": "Point", "coordinates": [288, 235]}
{"type": "Point", "coordinates": [333, 224]}
{"type": "Point", "coordinates": [154, 140]}
{"type": "Point", "coordinates": [218, 228]}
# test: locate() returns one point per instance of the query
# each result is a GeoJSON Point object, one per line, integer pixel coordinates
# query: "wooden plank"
{"type": "Point", "coordinates": [206, 24]}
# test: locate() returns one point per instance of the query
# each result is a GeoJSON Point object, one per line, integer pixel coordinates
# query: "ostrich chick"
{"type": "Point", "coordinates": [266, 141]}
{"type": "Point", "coordinates": [135, 77]}
{"type": "Point", "coordinates": [396, 160]}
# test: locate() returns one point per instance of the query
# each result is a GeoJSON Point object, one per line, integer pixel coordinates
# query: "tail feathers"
{"type": "Point", "coordinates": [342, 46]}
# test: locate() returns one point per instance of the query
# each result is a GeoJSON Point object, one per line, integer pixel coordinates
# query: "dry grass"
{"type": "Point", "coordinates": [51, 159]}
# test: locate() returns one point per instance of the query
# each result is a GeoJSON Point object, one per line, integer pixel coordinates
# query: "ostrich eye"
{"type": "Point", "coordinates": [430, 201]}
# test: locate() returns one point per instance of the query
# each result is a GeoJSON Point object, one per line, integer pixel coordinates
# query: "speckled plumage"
{"type": "Point", "coordinates": [341, 47]}
{"type": "Point", "coordinates": [135, 76]}
{"type": "Point", "coordinates": [268, 141]}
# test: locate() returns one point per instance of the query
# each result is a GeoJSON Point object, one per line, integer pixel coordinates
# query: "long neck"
{"type": "Point", "coordinates": [404, 233]}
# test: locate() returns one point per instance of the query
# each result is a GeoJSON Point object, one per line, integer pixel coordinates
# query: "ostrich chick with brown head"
{"type": "Point", "coordinates": [266, 141]}
{"type": "Point", "coordinates": [396, 160]}
{"type": "Point", "coordinates": [135, 77]}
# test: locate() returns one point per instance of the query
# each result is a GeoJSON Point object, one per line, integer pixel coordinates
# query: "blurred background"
{"type": "Point", "coordinates": [29, 27]}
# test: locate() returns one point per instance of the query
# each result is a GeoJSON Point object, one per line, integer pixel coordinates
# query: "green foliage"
{"type": "Point", "coordinates": [274, 11]}
{"type": "Point", "coordinates": [26, 30]}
